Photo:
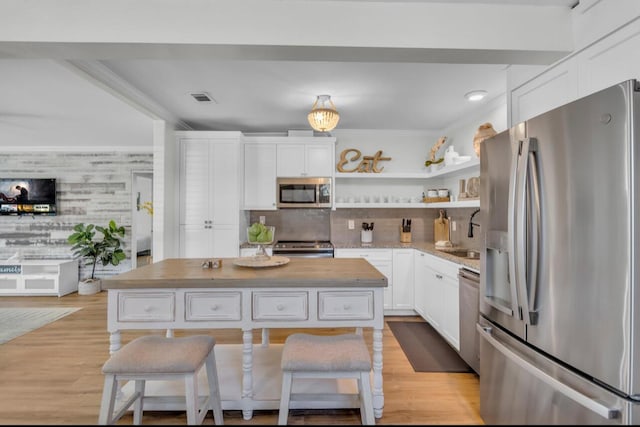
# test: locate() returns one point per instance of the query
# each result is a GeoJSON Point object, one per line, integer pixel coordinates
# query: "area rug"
{"type": "Point", "coordinates": [426, 350]}
{"type": "Point", "coordinates": [18, 321]}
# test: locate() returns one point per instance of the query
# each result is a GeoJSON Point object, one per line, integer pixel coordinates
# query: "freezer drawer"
{"type": "Point", "coordinates": [520, 386]}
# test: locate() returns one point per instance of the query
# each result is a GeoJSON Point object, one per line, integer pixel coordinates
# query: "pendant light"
{"type": "Point", "coordinates": [322, 117]}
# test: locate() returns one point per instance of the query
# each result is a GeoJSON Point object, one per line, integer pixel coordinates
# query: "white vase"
{"type": "Point", "coordinates": [89, 287]}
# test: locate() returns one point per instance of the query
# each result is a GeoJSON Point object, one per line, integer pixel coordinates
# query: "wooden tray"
{"type": "Point", "coordinates": [436, 199]}
{"type": "Point", "coordinates": [249, 261]}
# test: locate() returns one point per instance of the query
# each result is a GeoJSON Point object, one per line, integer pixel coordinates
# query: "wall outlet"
{"type": "Point", "coordinates": [262, 219]}
{"type": "Point", "coordinates": [453, 226]}
{"type": "Point", "coordinates": [351, 224]}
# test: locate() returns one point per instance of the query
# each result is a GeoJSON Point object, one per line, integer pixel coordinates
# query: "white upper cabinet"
{"type": "Point", "coordinates": [209, 194]}
{"type": "Point", "coordinates": [553, 88]}
{"type": "Point", "coordinates": [259, 176]}
{"type": "Point", "coordinates": [305, 159]}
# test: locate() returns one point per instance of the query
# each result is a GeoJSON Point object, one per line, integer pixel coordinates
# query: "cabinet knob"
{"type": "Point", "coordinates": [439, 276]}
{"type": "Point", "coordinates": [279, 307]}
{"type": "Point", "coordinates": [214, 307]}
{"type": "Point", "coordinates": [147, 308]}
{"type": "Point", "coordinates": [346, 307]}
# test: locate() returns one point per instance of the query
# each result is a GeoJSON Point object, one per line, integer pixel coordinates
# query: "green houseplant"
{"type": "Point", "coordinates": [106, 249]}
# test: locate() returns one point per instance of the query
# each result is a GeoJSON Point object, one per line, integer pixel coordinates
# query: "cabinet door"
{"type": "Point", "coordinates": [403, 297]}
{"type": "Point", "coordinates": [195, 241]}
{"type": "Point", "coordinates": [385, 267]}
{"type": "Point", "coordinates": [194, 181]}
{"type": "Point", "coordinates": [290, 160]}
{"type": "Point", "coordinates": [433, 303]}
{"type": "Point", "coordinates": [451, 313]}
{"type": "Point", "coordinates": [319, 160]}
{"type": "Point", "coordinates": [420, 283]}
{"type": "Point", "coordinates": [225, 242]}
{"type": "Point", "coordinates": [223, 194]}
{"type": "Point", "coordinates": [260, 176]}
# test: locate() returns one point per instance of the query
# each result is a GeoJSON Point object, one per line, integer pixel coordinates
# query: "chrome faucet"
{"type": "Point", "coordinates": [471, 224]}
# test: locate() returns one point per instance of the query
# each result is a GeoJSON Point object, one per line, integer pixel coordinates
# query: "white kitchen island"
{"type": "Point", "coordinates": [305, 293]}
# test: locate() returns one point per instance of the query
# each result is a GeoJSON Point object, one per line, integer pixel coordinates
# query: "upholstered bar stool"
{"type": "Point", "coordinates": [155, 357]}
{"type": "Point", "coordinates": [316, 356]}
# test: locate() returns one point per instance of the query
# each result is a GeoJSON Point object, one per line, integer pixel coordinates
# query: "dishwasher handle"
{"type": "Point", "coordinates": [469, 275]}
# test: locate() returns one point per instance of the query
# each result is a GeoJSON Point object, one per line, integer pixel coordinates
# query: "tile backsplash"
{"type": "Point", "coordinates": [325, 224]}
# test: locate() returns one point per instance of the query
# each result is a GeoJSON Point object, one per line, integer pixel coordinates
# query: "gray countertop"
{"type": "Point", "coordinates": [427, 247]}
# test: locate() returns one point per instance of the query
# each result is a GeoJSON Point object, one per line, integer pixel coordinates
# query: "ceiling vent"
{"type": "Point", "coordinates": [203, 97]}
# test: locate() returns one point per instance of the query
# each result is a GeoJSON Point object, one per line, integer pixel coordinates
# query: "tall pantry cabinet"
{"type": "Point", "coordinates": [209, 194]}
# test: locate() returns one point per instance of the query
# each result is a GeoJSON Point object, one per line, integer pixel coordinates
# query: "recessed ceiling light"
{"type": "Point", "coordinates": [475, 95]}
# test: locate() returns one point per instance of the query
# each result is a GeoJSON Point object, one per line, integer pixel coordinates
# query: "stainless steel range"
{"type": "Point", "coordinates": [304, 248]}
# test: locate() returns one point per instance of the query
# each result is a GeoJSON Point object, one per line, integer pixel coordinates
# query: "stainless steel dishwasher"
{"type": "Point", "coordinates": [469, 292]}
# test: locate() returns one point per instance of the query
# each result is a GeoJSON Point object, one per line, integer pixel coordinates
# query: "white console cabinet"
{"type": "Point", "coordinates": [39, 277]}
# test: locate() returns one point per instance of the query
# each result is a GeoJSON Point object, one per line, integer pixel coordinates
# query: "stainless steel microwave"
{"type": "Point", "coordinates": [304, 192]}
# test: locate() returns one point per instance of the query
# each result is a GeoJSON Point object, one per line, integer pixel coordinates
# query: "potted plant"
{"type": "Point", "coordinates": [106, 250]}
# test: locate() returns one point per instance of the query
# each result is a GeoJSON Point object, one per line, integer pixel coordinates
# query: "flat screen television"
{"type": "Point", "coordinates": [28, 196]}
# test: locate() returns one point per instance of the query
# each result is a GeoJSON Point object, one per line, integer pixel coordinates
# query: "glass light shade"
{"type": "Point", "coordinates": [323, 118]}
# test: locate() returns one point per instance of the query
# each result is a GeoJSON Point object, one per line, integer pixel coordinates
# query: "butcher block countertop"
{"type": "Point", "coordinates": [298, 273]}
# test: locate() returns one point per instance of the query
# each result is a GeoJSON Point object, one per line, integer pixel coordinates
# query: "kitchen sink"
{"type": "Point", "coordinates": [464, 253]}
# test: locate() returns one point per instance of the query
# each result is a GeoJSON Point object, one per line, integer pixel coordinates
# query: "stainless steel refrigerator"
{"type": "Point", "coordinates": [560, 293]}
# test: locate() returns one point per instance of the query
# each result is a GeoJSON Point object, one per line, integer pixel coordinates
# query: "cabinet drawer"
{"type": "Point", "coordinates": [213, 306]}
{"type": "Point", "coordinates": [444, 267]}
{"type": "Point", "coordinates": [345, 305]}
{"type": "Point", "coordinates": [368, 254]}
{"type": "Point", "coordinates": [40, 282]}
{"type": "Point", "coordinates": [10, 282]}
{"type": "Point", "coordinates": [280, 305]}
{"type": "Point", "coordinates": [146, 307]}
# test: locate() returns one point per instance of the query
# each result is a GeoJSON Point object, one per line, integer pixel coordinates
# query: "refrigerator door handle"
{"type": "Point", "coordinates": [520, 228]}
{"type": "Point", "coordinates": [534, 188]}
{"type": "Point", "coordinates": [576, 396]}
{"type": "Point", "coordinates": [512, 215]}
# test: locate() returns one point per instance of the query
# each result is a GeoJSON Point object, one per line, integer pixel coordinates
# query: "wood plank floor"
{"type": "Point", "coordinates": [53, 376]}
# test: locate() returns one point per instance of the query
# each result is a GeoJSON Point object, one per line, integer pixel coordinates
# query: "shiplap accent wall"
{"type": "Point", "coordinates": [92, 187]}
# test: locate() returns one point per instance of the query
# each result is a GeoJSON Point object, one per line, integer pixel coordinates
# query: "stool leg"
{"type": "Point", "coordinates": [108, 399]}
{"type": "Point", "coordinates": [285, 395]}
{"type": "Point", "coordinates": [214, 389]}
{"type": "Point", "coordinates": [191, 398]}
{"type": "Point", "coordinates": [138, 405]}
{"type": "Point", "coordinates": [366, 399]}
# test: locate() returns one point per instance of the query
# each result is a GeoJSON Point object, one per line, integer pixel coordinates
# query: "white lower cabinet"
{"type": "Point", "coordinates": [436, 291]}
{"type": "Point", "coordinates": [382, 259]}
{"type": "Point", "coordinates": [397, 266]}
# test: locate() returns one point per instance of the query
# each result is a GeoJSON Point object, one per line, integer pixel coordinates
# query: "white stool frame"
{"type": "Point", "coordinates": [195, 414]}
{"type": "Point", "coordinates": [364, 391]}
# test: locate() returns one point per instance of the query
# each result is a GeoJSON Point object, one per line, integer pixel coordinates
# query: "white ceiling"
{"type": "Point", "coordinates": [51, 101]}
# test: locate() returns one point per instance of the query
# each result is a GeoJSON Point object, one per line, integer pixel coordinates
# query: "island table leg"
{"type": "Point", "coordinates": [247, 374]}
{"type": "Point", "coordinates": [378, 395]}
